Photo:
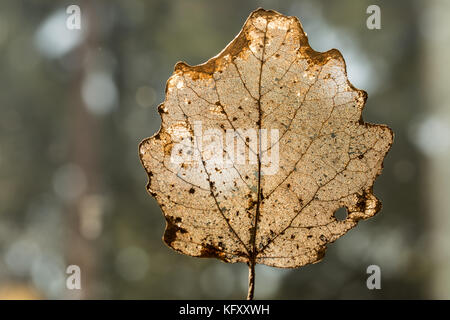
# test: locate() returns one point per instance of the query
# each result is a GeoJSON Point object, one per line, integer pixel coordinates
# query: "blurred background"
{"type": "Point", "coordinates": [74, 104]}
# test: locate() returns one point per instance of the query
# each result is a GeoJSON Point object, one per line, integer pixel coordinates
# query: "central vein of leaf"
{"type": "Point", "coordinates": [259, 195]}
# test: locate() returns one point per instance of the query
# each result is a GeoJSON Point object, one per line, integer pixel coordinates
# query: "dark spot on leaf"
{"type": "Point", "coordinates": [210, 251]}
{"type": "Point", "coordinates": [161, 110]}
{"type": "Point", "coordinates": [170, 235]}
{"type": "Point", "coordinates": [321, 253]}
{"type": "Point", "coordinates": [361, 204]}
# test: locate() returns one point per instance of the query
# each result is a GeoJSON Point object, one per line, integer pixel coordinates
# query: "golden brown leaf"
{"type": "Point", "coordinates": [312, 156]}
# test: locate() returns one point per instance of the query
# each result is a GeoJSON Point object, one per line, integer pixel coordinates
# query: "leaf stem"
{"type": "Point", "coordinates": [251, 280]}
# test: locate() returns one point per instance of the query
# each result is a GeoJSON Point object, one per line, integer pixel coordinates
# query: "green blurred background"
{"type": "Point", "coordinates": [74, 104]}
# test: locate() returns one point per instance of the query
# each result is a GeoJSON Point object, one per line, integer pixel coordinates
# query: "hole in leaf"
{"type": "Point", "coordinates": [341, 214]}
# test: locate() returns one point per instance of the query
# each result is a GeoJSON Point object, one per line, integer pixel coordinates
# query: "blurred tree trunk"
{"type": "Point", "coordinates": [437, 60]}
{"type": "Point", "coordinates": [84, 152]}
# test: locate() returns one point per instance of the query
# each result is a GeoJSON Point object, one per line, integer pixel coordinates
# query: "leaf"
{"type": "Point", "coordinates": [260, 146]}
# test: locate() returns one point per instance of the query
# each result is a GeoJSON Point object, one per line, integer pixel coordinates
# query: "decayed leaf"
{"type": "Point", "coordinates": [312, 156]}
